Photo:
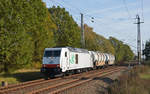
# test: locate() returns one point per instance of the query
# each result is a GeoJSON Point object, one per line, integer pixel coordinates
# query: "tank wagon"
{"type": "Point", "coordinates": [66, 60]}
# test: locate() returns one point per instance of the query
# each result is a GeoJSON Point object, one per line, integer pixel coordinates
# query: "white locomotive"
{"type": "Point", "coordinates": [71, 60]}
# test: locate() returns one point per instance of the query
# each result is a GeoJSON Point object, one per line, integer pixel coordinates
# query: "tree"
{"type": "Point", "coordinates": [25, 30]}
{"type": "Point", "coordinates": [97, 42]}
{"type": "Point", "coordinates": [15, 44]}
{"type": "Point", "coordinates": [146, 51]}
{"type": "Point", "coordinates": [68, 32]}
{"type": "Point", "coordinates": [122, 51]}
{"type": "Point", "coordinates": [42, 29]}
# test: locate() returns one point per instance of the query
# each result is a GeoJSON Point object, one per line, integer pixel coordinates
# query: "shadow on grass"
{"type": "Point", "coordinates": [103, 88]}
{"type": "Point", "coordinates": [25, 76]}
{"type": "Point", "coordinates": [105, 79]}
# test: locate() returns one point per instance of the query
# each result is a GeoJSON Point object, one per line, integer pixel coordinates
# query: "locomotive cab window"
{"type": "Point", "coordinates": [76, 58]}
{"type": "Point", "coordinates": [65, 54]}
{"type": "Point", "coordinates": [51, 53]}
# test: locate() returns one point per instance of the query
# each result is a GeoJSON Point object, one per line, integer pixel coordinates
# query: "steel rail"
{"type": "Point", "coordinates": [82, 82]}
{"type": "Point", "coordinates": [68, 82]}
{"type": "Point", "coordinates": [38, 82]}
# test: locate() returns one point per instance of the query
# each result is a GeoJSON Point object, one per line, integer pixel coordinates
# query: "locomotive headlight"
{"type": "Point", "coordinates": [44, 65]}
{"type": "Point", "coordinates": [58, 65]}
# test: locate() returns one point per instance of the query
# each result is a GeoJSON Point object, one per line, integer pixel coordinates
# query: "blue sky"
{"type": "Point", "coordinates": [111, 17]}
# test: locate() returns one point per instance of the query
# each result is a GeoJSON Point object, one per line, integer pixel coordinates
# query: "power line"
{"type": "Point", "coordinates": [77, 10]}
{"type": "Point", "coordinates": [129, 43]}
{"type": "Point", "coordinates": [81, 11]}
{"type": "Point", "coordinates": [127, 10]}
{"type": "Point", "coordinates": [137, 6]}
{"type": "Point", "coordinates": [65, 7]}
{"type": "Point", "coordinates": [142, 9]}
{"type": "Point", "coordinates": [87, 16]}
{"type": "Point", "coordinates": [60, 4]}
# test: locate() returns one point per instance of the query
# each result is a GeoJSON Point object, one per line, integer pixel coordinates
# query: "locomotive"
{"type": "Point", "coordinates": [65, 60]}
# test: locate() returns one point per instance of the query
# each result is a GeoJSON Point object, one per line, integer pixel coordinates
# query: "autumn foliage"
{"type": "Point", "coordinates": [27, 27]}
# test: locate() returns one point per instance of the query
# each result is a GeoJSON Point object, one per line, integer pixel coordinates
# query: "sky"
{"type": "Point", "coordinates": [114, 18]}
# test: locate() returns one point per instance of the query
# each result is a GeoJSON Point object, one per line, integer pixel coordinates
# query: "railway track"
{"type": "Point", "coordinates": [28, 84]}
{"type": "Point", "coordinates": [53, 85]}
{"type": "Point", "coordinates": [20, 84]}
{"type": "Point", "coordinates": [72, 83]}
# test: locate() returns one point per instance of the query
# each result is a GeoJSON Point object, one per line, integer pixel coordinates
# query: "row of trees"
{"type": "Point", "coordinates": [27, 27]}
{"type": "Point", "coordinates": [122, 51]}
{"type": "Point", "coordinates": [97, 42]}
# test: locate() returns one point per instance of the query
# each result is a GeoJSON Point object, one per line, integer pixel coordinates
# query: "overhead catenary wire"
{"type": "Point", "coordinates": [87, 16]}
{"type": "Point", "coordinates": [77, 9]}
{"type": "Point", "coordinates": [92, 19]}
{"type": "Point", "coordinates": [142, 9]}
{"type": "Point", "coordinates": [127, 9]}
{"type": "Point", "coordinates": [57, 3]}
{"type": "Point", "coordinates": [137, 6]}
{"type": "Point", "coordinates": [81, 11]}
{"type": "Point", "coordinates": [77, 19]}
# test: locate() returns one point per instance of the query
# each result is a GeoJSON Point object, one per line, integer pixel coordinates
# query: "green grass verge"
{"type": "Point", "coordinates": [10, 80]}
{"type": "Point", "coordinates": [21, 76]}
{"type": "Point", "coordinates": [145, 75]}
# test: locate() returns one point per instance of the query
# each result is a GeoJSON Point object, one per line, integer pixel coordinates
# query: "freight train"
{"type": "Point", "coordinates": [65, 60]}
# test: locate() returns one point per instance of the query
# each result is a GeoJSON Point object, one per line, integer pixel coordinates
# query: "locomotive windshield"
{"type": "Point", "coordinates": [53, 53]}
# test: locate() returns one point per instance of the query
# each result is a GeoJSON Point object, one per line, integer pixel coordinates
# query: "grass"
{"type": "Point", "coordinates": [136, 81]}
{"type": "Point", "coordinates": [10, 80]}
{"type": "Point", "coordinates": [146, 74]}
{"type": "Point", "coordinates": [21, 76]}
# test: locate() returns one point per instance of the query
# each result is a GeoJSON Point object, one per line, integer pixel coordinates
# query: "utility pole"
{"type": "Point", "coordinates": [138, 38]}
{"type": "Point", "coordinates": [82, 32]}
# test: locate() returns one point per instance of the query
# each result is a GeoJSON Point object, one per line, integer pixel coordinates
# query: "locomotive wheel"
{"type": "Point", "coordinates": [51, 76]}
{"type": "Point", "coordinates": [46, 77]}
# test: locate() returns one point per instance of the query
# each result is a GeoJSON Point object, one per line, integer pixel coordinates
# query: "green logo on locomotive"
{"type": "Point", "coordinates": [72, 59]}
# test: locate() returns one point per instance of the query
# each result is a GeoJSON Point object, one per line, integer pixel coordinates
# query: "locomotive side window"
{"type": "Point", "coordinates": [76, 58]}
{"type": "Point", "coordinates": [65, 54]}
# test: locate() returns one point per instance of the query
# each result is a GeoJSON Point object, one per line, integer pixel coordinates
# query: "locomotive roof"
{"type": "Point", "coordinates": [70, 49]}
{"type": "Point", "coordinates": [78, 50]}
